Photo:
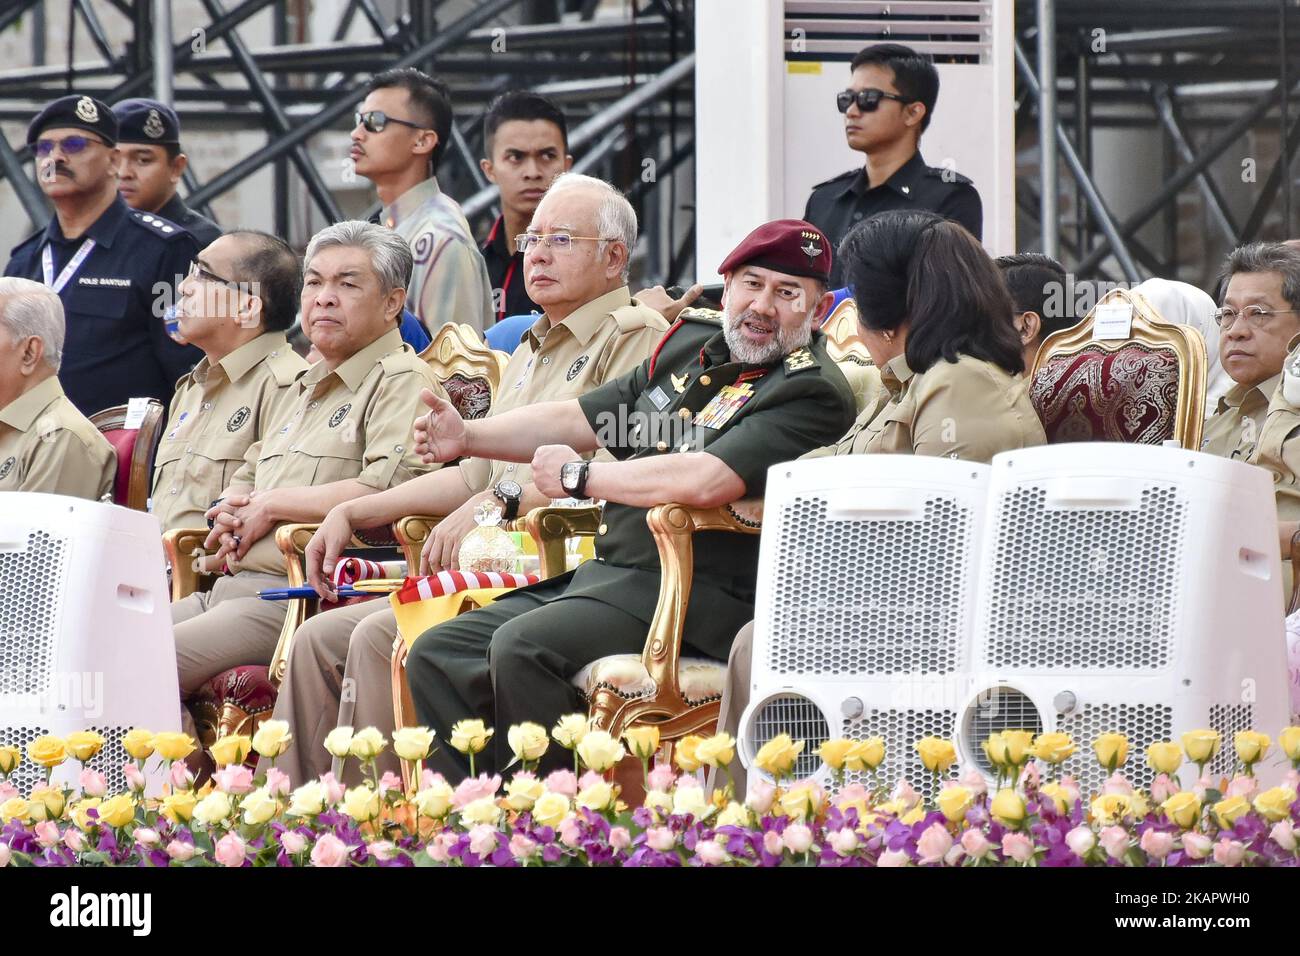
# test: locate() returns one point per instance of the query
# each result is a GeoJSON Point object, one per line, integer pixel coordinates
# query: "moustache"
{"type": "Point", "coordinates": [53, 168]}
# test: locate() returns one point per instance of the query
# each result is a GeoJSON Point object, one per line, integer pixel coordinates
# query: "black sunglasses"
{"type": "Point", "coordinates": [868, 100]}
{"type": "Point", "coordinates": [375, 120]}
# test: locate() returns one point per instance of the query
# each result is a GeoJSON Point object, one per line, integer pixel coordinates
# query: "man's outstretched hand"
{"type": "Point", "coordinates": [440, 436]}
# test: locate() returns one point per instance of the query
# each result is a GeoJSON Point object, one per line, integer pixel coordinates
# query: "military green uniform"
{"type": "Point", "coordinates": [47, 445]}
{"type": "Point", "coordinates": [217, 413]}
{"type": "Point", "coordinates": [512, 661]}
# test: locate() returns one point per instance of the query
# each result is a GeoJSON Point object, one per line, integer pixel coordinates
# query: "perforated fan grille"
{"type": "Point", "coordinates": [900, 611]}
{"type": "Point", "coordinates": [1142, 724]}
{"type": "Point", "coordinates": [1227, 719]}
{"type": "Point", "coordinates": [111, 757]}
{"type": "Point", "coordinates": [900, 729]}
{"type": "Point", "coordinates": [996, 710]}
{"type": "Point", "coordinates": [1092, 588]}
{"type": "Point", "coordinates": [26, 774]}
{"type": "Point", "coordinates": [801, 719]}
{"type": "Point", "coordinates": [29, 590]}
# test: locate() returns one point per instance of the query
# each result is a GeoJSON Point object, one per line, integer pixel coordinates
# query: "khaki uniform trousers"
{"type": "Point", "coordinates": [735, 698]}
{"type": "Point", "coordinates": [338, 674]}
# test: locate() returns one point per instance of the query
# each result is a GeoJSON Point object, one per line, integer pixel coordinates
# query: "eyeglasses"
{"type": "Point", "coordinates": [868, 100]}
{"type": "Point", "coordinates": [71, 145]}
{"type": "Point", "coordinates": [559, 241]}
{"type": "Point", "coordinates": [374, 121]}
{"type": "Point", "coordinates": [1256, 316]}
{"type": "Point", "coordinates": [197, 271]}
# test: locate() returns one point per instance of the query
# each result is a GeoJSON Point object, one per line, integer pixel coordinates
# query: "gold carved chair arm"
{"type": "Point", "coordinates": [184, 550]}
{"type": "Point", "coordinates": [411, 533]}
{"type": "Point", "coordinates": [551, 527]}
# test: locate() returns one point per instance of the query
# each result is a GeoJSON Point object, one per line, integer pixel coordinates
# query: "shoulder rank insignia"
{"type": "Point", "coordinates": [800, 359]}
{"type": "Point", "coordinates": [679, 382]}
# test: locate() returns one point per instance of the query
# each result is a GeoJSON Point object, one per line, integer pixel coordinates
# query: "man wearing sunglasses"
{"type": "Point", "coordinates": [887, 106]}
{"type": "Point", "coordinates": [115, 268]}
{"type": "Point", "coordinates": [401, 132]}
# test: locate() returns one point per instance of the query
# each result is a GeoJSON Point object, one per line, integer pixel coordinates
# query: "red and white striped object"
{"type": "Point", "coordinates": [450, 582]}
{"type": "Point", "coordinates": [350, 570]}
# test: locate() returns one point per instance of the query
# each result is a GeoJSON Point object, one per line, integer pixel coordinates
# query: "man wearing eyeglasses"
{"type": "Point", "coordinates": [115, 268]}
{"type": "Point", "coordinates": [238, 300]}
{"type": "Point", "coordinates": [402, 131]}
{"type": "Point", "coordinates": [887, 106]}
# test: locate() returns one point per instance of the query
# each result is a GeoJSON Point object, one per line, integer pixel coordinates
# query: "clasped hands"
{"type": "Point", "coordinates": [238, 522]}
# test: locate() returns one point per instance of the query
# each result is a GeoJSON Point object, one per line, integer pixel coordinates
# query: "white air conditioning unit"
{"type": "Point", "coordinates": [866, 595]}
{"type": "Point", "coordinates": [85, 628]}
{"type": "Point", "coordinates": [1132, 589]}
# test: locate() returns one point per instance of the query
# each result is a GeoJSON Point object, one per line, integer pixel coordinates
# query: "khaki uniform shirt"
{"type": "Point", "coordinates": [352, 423]}
{"type": "Point", "coordinates": [47, 445]}
{"type": "Point", "coordinates": [603, 339]}
{"type": "Point", "coordinates": [450, 281]}
{"type": "Point", "coordinates": [218, 412]}
{"type": "Point", "coordinates": [968, 409]}
{"type": "Point", "coordinates": [1233, 430]}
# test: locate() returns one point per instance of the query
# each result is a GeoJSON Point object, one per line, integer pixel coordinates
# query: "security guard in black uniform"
{"type": "Point", "coordinates": [886, 108]}
{"type": "Point", "coordinates": [699, 422]}
{"type": "Point", "coordinates": [115, 269]}
{"type": "Point", "coordinates": [151, 164]}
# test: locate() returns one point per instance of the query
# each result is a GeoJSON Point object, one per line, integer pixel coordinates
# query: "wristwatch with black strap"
{"type": "Point", "coordinates": [573, 478]}
{"type": "Point", "coordinates": [509, 494]}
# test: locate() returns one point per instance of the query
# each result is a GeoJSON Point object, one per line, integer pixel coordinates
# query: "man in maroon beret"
{"type": "Point", "coordinates": [700, 422]}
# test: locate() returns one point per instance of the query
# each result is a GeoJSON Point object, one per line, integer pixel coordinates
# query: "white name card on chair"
{"type": "Point", "coordinates": [135, 412]}
{"type": "Point", "coordinates": [1113, 320]}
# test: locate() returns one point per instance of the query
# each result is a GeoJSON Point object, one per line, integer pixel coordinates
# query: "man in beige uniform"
{"type": "Point", "coordinates": [591, 331]}
{"type": "Point", "coordinates": [239, 298]}
{"type": "Point", "coordinates": [46, 445]}
{"type": "Point", "coordinates": [344, 432]}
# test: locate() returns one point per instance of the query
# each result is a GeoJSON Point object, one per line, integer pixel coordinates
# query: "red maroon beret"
{"type": "Point", "coordinates": [791, 246]}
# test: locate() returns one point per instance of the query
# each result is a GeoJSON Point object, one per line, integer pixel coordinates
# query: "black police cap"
{"type": "Point", "coordinates": [147, 121]}
{"type": "Point", "coordinates": [76, 112]}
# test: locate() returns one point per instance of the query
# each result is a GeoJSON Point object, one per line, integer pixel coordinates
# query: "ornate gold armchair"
{"type": "Point", "coordinates": [1144, 388]}
{"type": "Point", "coordinates": [468, 370]}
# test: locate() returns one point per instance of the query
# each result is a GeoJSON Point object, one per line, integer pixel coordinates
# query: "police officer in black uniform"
{"type": "Point", "coordinates": [151, 165]}
{"type": "Point", "coordinates": [115, 269]}
{"type": "Point", "coordinates": [886, 108]}
{"type": "Point", "coordinates": [700, 422]}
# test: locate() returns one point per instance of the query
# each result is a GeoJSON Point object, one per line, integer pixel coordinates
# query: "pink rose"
{"type": "Point", "coordinates": [892, 858]}
{"type": "Point", "coordinates": [660, 838]}
{"type": "Point", "coordinates": [710, 853]}
{"type": "Point", "coordinates": [760, 795]}
{"type": "Point", "coordinates": [1229, 852]}
{"type": "Point", "coordinates": [1199, 788]}
{"type": "Point", "coordinates": [851, 795]}
{"type": "Point", "coordinates": [1162, 788]}
{"type": "Point", "coordinates": [92, 783]}
{"type": "Point", "coordinates": [620, 838]}
{"type": "Point", "coordinates": [1030, 776]}
{"type": "Point", "coordinates": [1197, 845]}
{"type": "Point", "coordinates": [1242, 786]}
{"type": "Point", "coordinates": [330, 851]}
{"type": "Point", "coordinates": [590, 779]}
{"type": "Point", "coordinates": [278, 783]}
{"type": "Point", "coordinates": [180, 851]}
{"type": "Point", "coordinates": [522, 848]}
{"type": "Point", "coordinates": [1157, 844]}
{"type": "Point", "coordinates": [428, 778]}
{"type": "Point", "coordinates": [662, 777]}
{"type": "Point", "coordinates": [933, 844]}
{"type": "Point", "coordinates": [440, 849]}
{"type": "Point", "coordinates": [907, 795]}
{"type": "Point", "coordinates": [976, 844]}
{"type": "Point", "coordinates": [1018, 847]}
{"type": "Point", "coordinates": [74, 840]}
{"type": "Point", "coordinates": [230, 850]}
{"type": "Point", "coordinates": [390, 781]}
{"type": "Point", "coordinates": [563, 782]}
{"type": "Point", "coordinates": [5, 854]}
{"type": "Point", "coordinates": [1117, 783]}
{"type": "Point", "coordinates": [333, 789]}
{"type": "Point", "coordinates": [1114, 840]}
{"type": "Point", "coordinates": [772, 844]}
{"type": "Point", "coordinates": [797, 838]}
{"type": "Point", "coordinates": [47, 833]}
{"type": "Point", "coordinates": [1081, 840]}
{"type": "Point", "coordinates": [1071, 788]}
{"type": "Point", "coordinates": [235, 779]}
{"type": "Point", "coordinates": [382, 850]}
{"type": "Point", "coordinates": [974, 781]}
{"type": "Point", "coordinates": [953, 856]}
{"type": "Point", "coordinates": [134, 776]}
{"type": "Point", "coordinates": [570, 831]}
{"type": "Point", "coordinates": [1283, 834]}
{"type": "Point", "coordinates": [180, 776]}
{"type": "Point", "coordinates": [147, 837]}
{"type": "Point", "coordinates": [1291, 781]}
{"type": "Point", "coordinates": [293, 842]}
{"type": "Point", "coordinates": [844, 841]}
{"type": "Point", "coordinates": [483, 839]}
{"type": "Point", "coordinates": [7, 792]}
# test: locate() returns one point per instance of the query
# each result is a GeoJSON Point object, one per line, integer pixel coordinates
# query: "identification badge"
{"type": "Point", "coordinates": [724, 405]}
{"type": "Point", "coordinates": [659, 397]}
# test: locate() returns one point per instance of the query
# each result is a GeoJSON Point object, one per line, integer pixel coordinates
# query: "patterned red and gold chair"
{"type": "Point", "coordinates": [1146, 387]}
{"type": "Point", "coordinates": [135, 449]}
{"type": "Point", "coordinates": [468, 370]}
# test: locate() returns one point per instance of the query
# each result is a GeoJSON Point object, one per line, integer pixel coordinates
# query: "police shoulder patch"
{"type": "Point", "coordinates": [237, 420]}
{"type": "Point", "coordinates": [576, 367]}
{"type": "Point", "coordinates": [8, 466]}
{"type": "Point", "coordinates": [340, 413]}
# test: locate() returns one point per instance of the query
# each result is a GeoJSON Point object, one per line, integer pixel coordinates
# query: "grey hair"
{"type": "Point", "coordinates": [29, 308]}
{"type": "Point", "coordinates": [389, 254]}
{"type": "Point", "coordinates": [615, 217]}
{"type": "Point", "coordinates": [1266, 257]}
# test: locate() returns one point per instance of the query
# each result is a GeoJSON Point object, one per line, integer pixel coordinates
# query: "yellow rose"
{"type": "Point", "coordinates": [523, 791]}
{"type": "Point", "coordinates": [528, 741]}
{"type": "Point", "coordinates": [1111, 808]}
{"type": "Point", "coordinates": [10, 757]}
{"type": "Point", "coordinates": [778, 755]}
{"type": "Point", "coordinates": [834, 751]}
{"type": "Point", "coordinates": [687, 799]}
{"type": "Point", "coordinates": [1165, 757]}
{"type": "Point", "coordinates": [954, 802]}
{"type": "Point", "coordinates": [84, 744]}
{"type": "Point", "coordinates": [470, 736]}
{"type": "Point", "coordinates": [1111, 750]}
{"type": "Point", "coordinates": [1288, 740]}
{"type": "Point", "coordinates": [1008, 807]}
{"type": "Point", "coordinates": [15, 808]}
{"type": "Point", "coordinates": [339, 742]}
{"type": "Point", "coordinates": [1059, 796]}
{"type": "Point", "coordinates": [1251, 746]}
{"type": "Point", "coordinates": [1138, 805]}
{"type": "Point", "coordinates": [734, 815]}
{"type": "Point", "coordinates": [1227, 811]}
{"type": "Point", "coordinates": [570, 729]}
{"type": "Point", "coordinates": [179, 807]}
{"type": "Point", "coordinates": [308, 800]}
{"type": "Point", "coordinates": [231, 749]}
{"type": "Point", "coordinates": [482, 810]}
{"type": "Point", "coordinates": [80, 814]}
{"type": "Point", "coordinates": [684, 753]}
{"type": "Point", "coordinates": [1201, 745]}
{"type": "Point", "coordinates": [117, 811]}
{"type": "Point", "coordinates": [1275, 804]}
{"type": "Point", "coordinates": [52, 800]}
{"type": "Point", "coordinates": [716, 751]}
{"type": "Point", "coordinates": [996, 750]}
{"type": "Point", "coordinates": [272, 738]}
{"type": "Point", "coordinates": [213, 808]}
{"type": "Point", "coordinates": [550, 809]}
{"type": "Point", "coordinates": [659, 801]}
{"type": "Point", "coordinates": [1182, 809]}
{"type": "Point", "coordinates": [412, 743]}
{"type": "Point", "coordinates": [173, 745]}
{"type": "Point", "coordinates": [937, 754]}
{"type": "Point", "coordinates": [915, 815]}
{"type": "Point", "coordinates": [1020, 746]}
{"type": "Point", "coordinates": [367, 743]}
{"type": "Point", "coordinates": [259, 807]}
{"type": "Point", "coordinates": [138, 742]}
{"type": "Point", "coordinates": [47, 751]}
{"type": "Point", "coordinates": [434, 801]}
{"type": "Point", "coordinates": [596, 797]}
{"type": "Point", "coordinates": [865, 754]}
{"type": "Point", "coordinates": [800, 802]}
{"type": "Point", "coordinates": [1054, 748]}
{"type": "Point", "coordinates": [642, 740]}
{"type": "Point", "coordinates": [361, 803]}
{"type": "Point", "coordinates": [599, 751]}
